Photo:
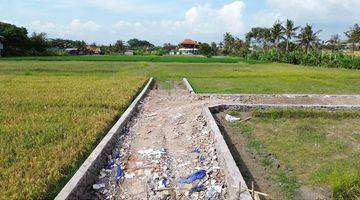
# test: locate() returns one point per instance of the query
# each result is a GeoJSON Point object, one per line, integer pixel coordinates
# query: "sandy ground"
{"type": "Point", "coordinates": [169, 140]}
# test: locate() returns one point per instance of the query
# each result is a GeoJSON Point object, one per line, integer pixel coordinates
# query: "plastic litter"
{"type": "Point", "coordinates": [202, 158]}
{"type": "Point", "coordinates": [110, 164]}
{"type": "Point", "coordinates": [231, 119]}
{"type": "Point", "coordinates": [152, 152]}
{"type": "Point", "coordinates": [214, 190]}
{"type": "Point", "coordinates": [125, 130]}
{"type": "Point", "coordinates": [165, 182]}
{"type": "Point", "coordinates": [98, 186]}
{"type": "Point", "coordinates": [196, 150]}
{"type": "Point", "coordinates": [119, 172]}
{"type": "Point", "coordinates": [197, 188]}
{"type": "Point", "coordinates": [193, 177]}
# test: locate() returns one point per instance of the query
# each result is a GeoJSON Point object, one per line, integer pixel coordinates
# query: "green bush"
{"type": "Point", "coordinates": [313, 58]}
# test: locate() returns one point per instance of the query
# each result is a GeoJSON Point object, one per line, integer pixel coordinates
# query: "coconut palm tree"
{"type": "Point", "coordinates": [353, 35]}
{"type": "Point", "coordinates": [308, 37]}
{"type": "Point", "coordinates": [290, 31]}
{"type": "Point", "coordinates": [277, 32]}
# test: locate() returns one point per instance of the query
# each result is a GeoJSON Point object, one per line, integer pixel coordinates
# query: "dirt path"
{"type": "Point", "coordinates": [168, 141]}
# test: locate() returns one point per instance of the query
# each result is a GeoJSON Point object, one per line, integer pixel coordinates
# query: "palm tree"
{"type": "Point", "coordinates": [277, 32]}
{"type": "Point", "coordinates": [308, 37]}
{"type": "Point", "coordinates": [290, 31]}
{"type": "Point", "coordinates": [353, 35]}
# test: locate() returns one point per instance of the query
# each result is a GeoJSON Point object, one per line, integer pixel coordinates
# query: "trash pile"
{"type": "Point", "coordinates": [163, 153]}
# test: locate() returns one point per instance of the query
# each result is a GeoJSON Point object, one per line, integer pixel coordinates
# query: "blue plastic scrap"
{"type": "Point", "coordinates": [202, 158]}
{"type": "Point", "coordinates": [197, 188]}
{"type": "Point", "coordinates": [193, 177]}
{"type": "Point", "coordinates": [119, 172]}
{"type": "Point", "coordinates": [165, 182]}
{"type": "Point", "coordinates": [196, 150]}
{"type": "Point", "coordinates": [110, 164]}
{"type": "Point", "coordinates": [125, 130]}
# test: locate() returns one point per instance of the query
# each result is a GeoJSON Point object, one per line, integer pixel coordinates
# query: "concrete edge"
{"type": "Point", "coordinates": [232, 172]}
{"type": "Point", "coordinates": [87, 171]}
{"type": "Point", "coordinates": [220, 107]}
{"type": "Point", "coordinates": [188, 86]}
{"type": "Point", "coordinates": [281, 95]}
{"type": "Point", "coordinates": [190, 89]}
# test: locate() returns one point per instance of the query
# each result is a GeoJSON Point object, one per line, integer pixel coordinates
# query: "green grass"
{"type": "Point", "coordinates": [123, 58]}
{"type": "Point", "coordinates": [210, 77]}
{"type": "Point", "coordinates": [321, 147]}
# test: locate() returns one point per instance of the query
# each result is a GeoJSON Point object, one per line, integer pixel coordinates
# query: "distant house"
{"type": "Point", "coordinates": [72, 51]}
{"type": "Point", "coordinates": [129, 53]}
{"type": "Point", "coordinates": [90, 50]}
{"type": "Point", "coordinates": [1, 45]}
{"type": "Point", "coordinates": [187, 47]}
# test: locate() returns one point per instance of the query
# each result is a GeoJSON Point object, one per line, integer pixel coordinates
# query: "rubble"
{"type": "Point", "coordinates": [165, 152]}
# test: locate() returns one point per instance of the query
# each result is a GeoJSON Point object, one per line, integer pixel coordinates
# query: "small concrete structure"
{"type": "Point", "coordinates": [129, 53]}
{"type": "Point", "coordinates": [188, 86]}
{"type": "Point", "coordinates": [237, 188]}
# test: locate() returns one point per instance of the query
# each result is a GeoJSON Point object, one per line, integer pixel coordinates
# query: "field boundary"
{"type": "Point", "coordinates": [82, 179]}
{"type": "Point", "coordinates": [232, 172]}
{"type": "Point", "coordinates": [191, 90]}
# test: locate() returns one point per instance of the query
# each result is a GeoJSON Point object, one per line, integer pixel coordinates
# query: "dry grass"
{"type": "Point", "coordinates": [49, 124]}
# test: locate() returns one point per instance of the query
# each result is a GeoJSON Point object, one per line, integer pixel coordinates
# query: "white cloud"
{"type": "Point", "coordinates": [201, 22]}
{"type": "Point", "coordinates": [318, 11]}
{"type": "Point", "coordinates": [76, 29]}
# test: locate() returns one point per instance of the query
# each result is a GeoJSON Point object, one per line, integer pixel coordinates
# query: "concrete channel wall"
{"type": "Point", "coordinates": [188, 86]}
{"type": "Point", "coordinates": [79, 186]}
{"type": "Point", "coordinates": [233, 176]}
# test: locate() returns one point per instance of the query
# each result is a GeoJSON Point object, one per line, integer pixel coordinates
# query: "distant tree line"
{"type": "Point", "coordinates": [285, 42]}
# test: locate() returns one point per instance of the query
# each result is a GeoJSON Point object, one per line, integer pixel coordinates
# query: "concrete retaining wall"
{"type": "Point", "coordinates": [232, 172]}
{"type": "Point", "coordinates": [188, 86]}
{"type": "Point", "coordinates": [80, 185]}
{"type": "Point", "coordinates": [245, 107]}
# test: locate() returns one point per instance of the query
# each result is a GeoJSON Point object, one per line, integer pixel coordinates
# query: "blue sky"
{"type": "Point", "coordinates": [161, 21]}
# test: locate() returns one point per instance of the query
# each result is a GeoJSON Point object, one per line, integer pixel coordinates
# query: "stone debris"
{"type": "Point", "coordinates": [165, 152]}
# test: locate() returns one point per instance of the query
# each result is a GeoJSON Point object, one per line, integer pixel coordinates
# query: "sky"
{"type": "Point", "coordinates": [164, 21]}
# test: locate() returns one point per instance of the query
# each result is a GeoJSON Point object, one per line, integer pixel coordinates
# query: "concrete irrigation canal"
{"type": "Point", "coordinates": [168, 146]}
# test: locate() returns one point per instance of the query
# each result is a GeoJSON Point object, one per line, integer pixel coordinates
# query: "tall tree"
{"type": "Point", "coordinates": [290, 32]}
{"type": "Point", "coordinates": [214, 49]}
{"type": "Point", "coordinates": [308, 37]}
{"type": "Point", "coordinates": [353, 35]}
{"type": "Point", "coordinates": [229, 41]}
{"type": "Point", "coordinates": [119, 46]}
{"type": "Point", "coordinates": [205, 49]}
{"type": "Point", "coordinates": [15, 39]}
{"type": "Point", "coordinates": [277, 32]}
{"type": "Point", "coordinates": [39, 43]}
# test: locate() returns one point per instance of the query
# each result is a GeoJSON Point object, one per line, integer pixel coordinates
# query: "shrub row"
{"type": "Point", "coordinates": [313, 58]}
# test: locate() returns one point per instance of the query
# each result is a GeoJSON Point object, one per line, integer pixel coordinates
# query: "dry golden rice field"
{"type": "Point", "coordinates": [50, 123]}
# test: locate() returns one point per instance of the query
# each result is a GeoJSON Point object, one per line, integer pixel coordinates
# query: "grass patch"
{"type": "Point", "coordinates": [208, 77]}
{"type": "Point", "coordinates": [321, 147]}
{"type": "Point", "coordinates": [124, 58]}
